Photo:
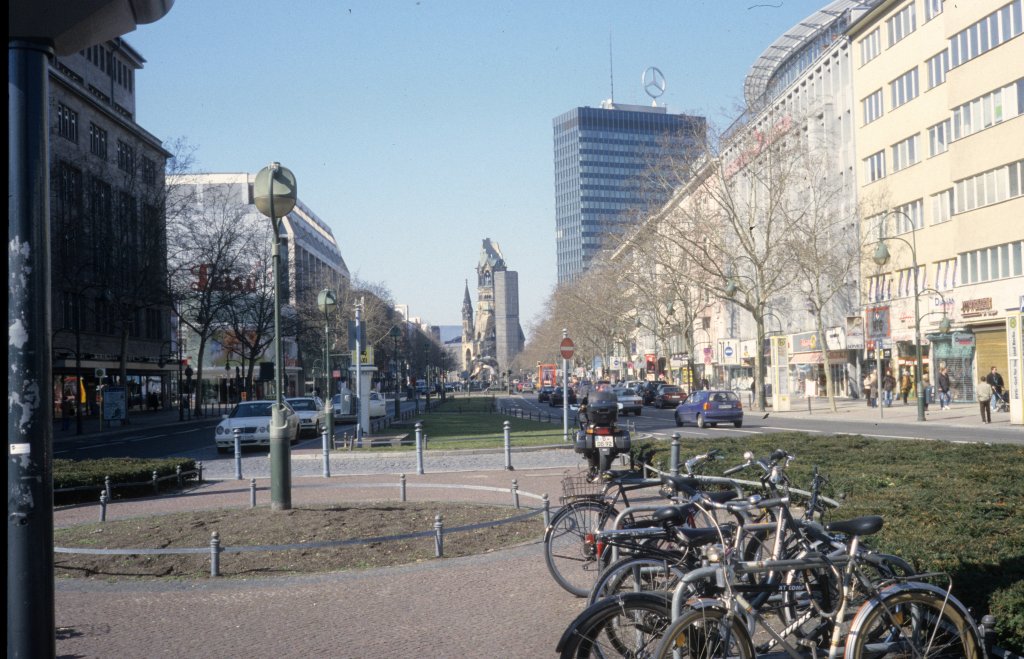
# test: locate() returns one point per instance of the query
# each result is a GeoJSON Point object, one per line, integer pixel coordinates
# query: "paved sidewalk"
{"type": "Point", "coordinates": [959, 414]}
{"type": "Point", "coordinates": [502, 604]}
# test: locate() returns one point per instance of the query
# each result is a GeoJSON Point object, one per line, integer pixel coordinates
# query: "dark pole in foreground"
{"type": "Point", "coordinates": [30, 614]}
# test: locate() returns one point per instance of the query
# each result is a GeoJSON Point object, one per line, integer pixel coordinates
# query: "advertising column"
{"type": "Point", "coordinates": [779, 374]}
{"type": "Point", "coordinates": [1015, 364]}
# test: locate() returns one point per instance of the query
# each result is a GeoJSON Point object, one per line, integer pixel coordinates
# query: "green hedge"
{"type": "Point", "coordinates": [955, 508]}
{"type": "Point", "coordinates": [122, 471]}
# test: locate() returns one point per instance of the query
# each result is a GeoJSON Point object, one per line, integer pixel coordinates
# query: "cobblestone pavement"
{"type": "Point", "coordinates": [502, 604]}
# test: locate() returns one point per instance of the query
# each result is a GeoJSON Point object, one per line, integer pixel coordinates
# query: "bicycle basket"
{"type": "Point", "coordinates": [580, 486]}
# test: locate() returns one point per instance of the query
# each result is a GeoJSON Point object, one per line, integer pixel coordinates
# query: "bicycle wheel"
{"type": "Point", "coordinates": [628, 625]}
{"type": "Point", "coordinates": [705, 634]}
{"type": "Point", "coordinates": [569, 547]}
{"type": "Point", "coordinates": [914, 623]}
{"type": "Point", "coordinates": [639, 574]}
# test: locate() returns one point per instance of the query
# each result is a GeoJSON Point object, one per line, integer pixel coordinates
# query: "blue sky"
{"type": "Point", "coordinates": [418, 128]}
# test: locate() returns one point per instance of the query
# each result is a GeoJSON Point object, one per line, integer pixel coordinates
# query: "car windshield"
{"type": "Point", "coordinates": [302, 404]}
{"type": "Point", "coordinates": [627, 392]}
{"type": "Point", "coordinates": [724, 397]}
{"type": "Point", "coordinates": [252, 409]}
{"type": "Point", "coordinates": [670, 390]}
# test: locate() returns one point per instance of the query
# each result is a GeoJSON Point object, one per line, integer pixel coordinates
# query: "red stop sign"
{"type": "Point", "coordinates": [567, 348]}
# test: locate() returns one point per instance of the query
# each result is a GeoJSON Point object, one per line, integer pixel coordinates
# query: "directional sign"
{"type": "Point", "coordinates": [567, 348]}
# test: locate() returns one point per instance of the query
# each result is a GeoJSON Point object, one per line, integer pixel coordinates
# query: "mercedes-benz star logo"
{"type": "Point", "coordinates": [653, 82]}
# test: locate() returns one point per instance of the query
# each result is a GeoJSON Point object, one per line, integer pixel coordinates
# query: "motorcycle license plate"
{"type": "Point", "coordinates": [604, 442]}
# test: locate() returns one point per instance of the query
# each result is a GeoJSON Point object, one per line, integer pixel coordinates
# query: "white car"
{"type": "Point", "coordinates": [378, 405]}
{"type": "Point", "coordinates": [311, 414]}
{"type": "Point", "coordinates": [253, 419]}
{"type": "Point", "coordinates": [629, 401]}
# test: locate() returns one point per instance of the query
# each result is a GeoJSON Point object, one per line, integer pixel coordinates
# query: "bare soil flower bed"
{"type": "Point", "coordinates": [302, 524]}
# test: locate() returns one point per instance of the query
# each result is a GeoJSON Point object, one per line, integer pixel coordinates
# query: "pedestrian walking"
{"type": "Point", "coordinates": [995, 380]}
{"type": "Point", "coordinates": [943, 382]}
{"type": "Point", "coordinates": [984, 393]}
{"type": "Point", "coordinates": [906, 384]}
{"type": "Point", "coordinates": [888, 385]}
{"type": "Point", "coordinates": [67, 410]}
{"type": "Point", "coordinates": [927, 391]}
{"type": "Point", "coordinates": [871, 389]}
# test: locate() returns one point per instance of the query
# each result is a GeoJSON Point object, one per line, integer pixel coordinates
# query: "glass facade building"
{"type": "Point", "coordinates": [602, 159]}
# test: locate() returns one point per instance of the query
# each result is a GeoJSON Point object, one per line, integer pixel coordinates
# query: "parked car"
{"type": "Point", "coordinates": [668, 395]}
{"type": "Point", "coordinates": [544, 395]}
{"type": "Point", "coordinates": [311, 414]}
{"type": "Point", "coordinates": [343, 407]}
{"type": "Point", "coordinates": [555, 400]}
{"type": "Point", "coordinates": [709, 408]}
{"type": "Point", "coordinates": [253, 418]}
{"type": "Point", "coordinates": [629, 401]}
{"type": "Point", "coordinates": [378, 405]}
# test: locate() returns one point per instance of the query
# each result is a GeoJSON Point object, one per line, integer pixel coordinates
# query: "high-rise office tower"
{"type": "Point", "coordinates": [602, 157]}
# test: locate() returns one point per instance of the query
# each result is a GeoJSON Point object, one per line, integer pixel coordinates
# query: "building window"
{"type": "Point", "coordinates": [97, 141]}
{"type": "Point", "coordinates": [901, 24]}
{"type": "Point", "coordinates": [989, 187]}
{"type": "Point", "coordinates": [148, 171]}
{"type": "Point", "coordinates": [938, 138]}
{"type": "Point", "coordinates": [988, 110]}
{"type": "Point", "coordinates": [904, 154]}
{"type": "Point", "coordinates": [938, 65]}
{"type": "Point", "coordinates": [870, 47]}
{"type": "Point", "coordinates": [996, 28]}
{"type": "Point", "coordinates": [872, 107]}
{"type": "Point", "coordinates": [67, 123]}
{"type": "Point", "coordinates": [945, 275]}
{"type": "Point", "coordinates": [942, 206]}
{"type": "Point", "coordinates": [875, 166]}
{"type": "Point", "coordinates": [125, 157]}
{"type": "Point", "coordinates": [904, 88]}
{"type": "Point", "coordinates": [932, 8]}
{"type": "Point", "coordinates": [990, 263]}
{"type": "Point", "coordinates": [909, 217]}
{"type": "Point", "coordinates": [880, 288]}
{"type": "Point", "coordinates": [905, 287]}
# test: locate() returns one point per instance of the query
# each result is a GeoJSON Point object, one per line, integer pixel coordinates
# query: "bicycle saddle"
{"type": "Point", "coordinates": [857, 526]}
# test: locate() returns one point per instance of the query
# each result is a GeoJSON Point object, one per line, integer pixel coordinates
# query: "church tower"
{"type": "Point", "coordinates": [468, 347]}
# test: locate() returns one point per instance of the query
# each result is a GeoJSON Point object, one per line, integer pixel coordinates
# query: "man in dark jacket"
{"type": "Point", "coordinates": [943, 383]}
{"type": "Point", "coordinates": [996, 382]}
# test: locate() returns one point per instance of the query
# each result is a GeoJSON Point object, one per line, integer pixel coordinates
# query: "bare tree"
{"type": "Point", "coordinates": [205, 258]}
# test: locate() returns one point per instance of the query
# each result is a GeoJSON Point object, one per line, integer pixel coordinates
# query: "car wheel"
{"type": "Point", "coordinates": [638, 411]}
{"type": "Point", "coordinates": [700, 421]}
{"type": "Point", "coordinates": [679, 421]}
{"type": "Point", "coordinates": [317, 430]}
{"type": "Point", "coordinates": [738, 424]}
{"type": "Point", "coordinates": [222, 449]}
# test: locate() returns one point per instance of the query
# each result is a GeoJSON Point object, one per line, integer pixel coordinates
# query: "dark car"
{"type": "Point", "coordinates": [544, 394]}
{"type": "Point", "coordinates": [709, 408]}
{"type": "Point", "coordinates": [648, 391]}
{"type": "Point", "coordinates": [668, 395]}
{"type": "Point", "coordinates": [555, 400]}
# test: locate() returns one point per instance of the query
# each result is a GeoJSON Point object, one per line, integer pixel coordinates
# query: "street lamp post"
{"type": "Point", "coordinates": [881, 257]}
{"type": "Point", "coordinates": [396, 334]}
{"type": "Point", "coordinates": [275, 193]}
{"type": "Point", "coordinates": [327, 301]}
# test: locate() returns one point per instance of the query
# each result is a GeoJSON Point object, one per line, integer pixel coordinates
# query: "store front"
{"type": "Point", "coordinates": [957, 351]}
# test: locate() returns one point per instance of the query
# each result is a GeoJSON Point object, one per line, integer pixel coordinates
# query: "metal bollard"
{"type": "Point", "coordinates": [106, 488]}
{"type": "Point", "coordinates": [401, 486]}
{"type": "Point", "coordinates": [103, 506]}
{"type": "Point", "coordinates": [438, 536]}
{"type": "Point", "coordinates": [199, 466]}
{"type": "Point", "coordinates": [347, 442]}
{"type": "Point", "coordinates": [547, 510]}
{"type": "Point", "coordinates": [508, 447]}
{"type": "Point", "coordinates": [177, 472]}
{"type": "Point", "coordinates": [156, 483]}
{"type": "Point", "coordinates": [808, 404]}
{"type": "Point", "coordinates": [515, 493]}
{"type": "Point", "coordinates": [674, 467]}
{"type": "Point", "coordinates": [988, 634]}
{"type": "Point", "coordinates": [327, 455]}
{"type": "Point", "coordinates": [214, 554]}
{"type": "Point", "coordinates": [252, 492]}
{"type": "Point", "coordinates": [419, 447]}
{"type": "Point", "coordinates": [238, 453]}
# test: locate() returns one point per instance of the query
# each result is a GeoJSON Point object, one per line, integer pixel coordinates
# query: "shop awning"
{"type": "Point", "coordinates": [807, 358]}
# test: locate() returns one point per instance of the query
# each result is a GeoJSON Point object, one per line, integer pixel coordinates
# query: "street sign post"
{"type": "Point", "coordinates": [568, 349]}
